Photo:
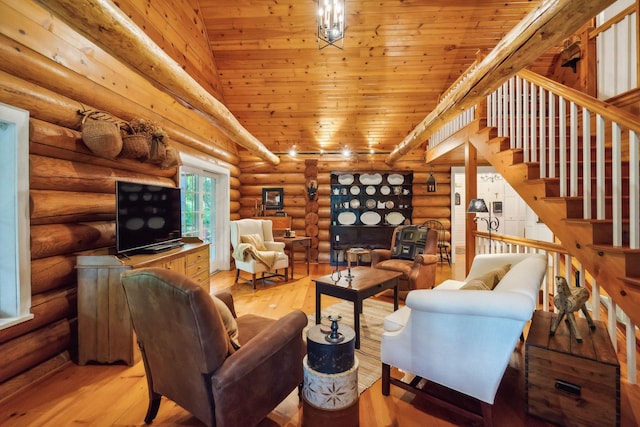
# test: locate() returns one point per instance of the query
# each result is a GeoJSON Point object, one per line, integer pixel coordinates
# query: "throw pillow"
{"type": "Point", "coordinates": [488, 280]}
{"type": "Point", "coordinates": [255, 240]}
{"type": "Point", "coordinates": [229, 321]}
{"type": "Point", "coordinates": [410, 241]}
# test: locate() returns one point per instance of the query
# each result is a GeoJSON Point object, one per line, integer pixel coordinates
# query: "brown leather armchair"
{"type": "Point", "coordinates": [412, 254]}
{"type": "Point", "coordinates": [188, 356]}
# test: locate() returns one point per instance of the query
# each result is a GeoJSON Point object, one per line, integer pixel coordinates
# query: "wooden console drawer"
{"type": "Point", "coordinates": [199, 256]}
{"type": "Point", "coordinates": [571, 383]}
{"type": "Point", "coordinates": [105, 334]}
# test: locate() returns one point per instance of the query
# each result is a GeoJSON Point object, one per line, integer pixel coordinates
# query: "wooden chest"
{"type": "Point", "coordinates": [571, 383]}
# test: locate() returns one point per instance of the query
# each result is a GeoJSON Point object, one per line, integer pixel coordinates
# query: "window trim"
{"type": "Point", "coordinates": [223, 233]}
{"type": "Point", "coordinates": [15, 301]}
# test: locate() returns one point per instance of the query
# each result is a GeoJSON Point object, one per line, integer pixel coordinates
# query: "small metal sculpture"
{"type": "Point", "coordinates": [567, 301]}
{"type": "Point", "coordinates": [334, 336]}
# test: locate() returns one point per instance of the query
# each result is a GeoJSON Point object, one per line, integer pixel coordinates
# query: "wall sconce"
{"type": "Point", "coordinates": [432, 185]}
{"type": "Point", "coordinates": [312, 189]}
{"type": "Point", "coordinates": [479, 206]}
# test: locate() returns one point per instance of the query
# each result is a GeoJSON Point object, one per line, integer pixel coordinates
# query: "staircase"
{"type": "Point", "coordinates": [602, 243]}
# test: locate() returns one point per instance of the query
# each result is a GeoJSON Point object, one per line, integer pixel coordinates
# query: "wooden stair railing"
{"type": "Point", "coordinates": [605, 242]}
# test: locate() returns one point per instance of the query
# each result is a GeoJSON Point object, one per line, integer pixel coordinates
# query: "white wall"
{"type": "Point", "coordinates": [516, 219]}
{"type": "Point", "coordinates": [616, 52]}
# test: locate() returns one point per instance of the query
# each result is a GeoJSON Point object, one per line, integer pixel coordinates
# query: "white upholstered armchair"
{"type": "Point", "coordinates": [255, 251]}
{"type": "Point", "coordinates": [463, 339]}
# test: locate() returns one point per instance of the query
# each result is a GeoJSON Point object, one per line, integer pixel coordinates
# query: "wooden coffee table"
{"type": "Point", "coordinates": [366, 282]}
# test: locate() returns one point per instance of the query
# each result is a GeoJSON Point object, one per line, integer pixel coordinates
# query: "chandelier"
{"type": "Point", "coordinates": [330, 23]}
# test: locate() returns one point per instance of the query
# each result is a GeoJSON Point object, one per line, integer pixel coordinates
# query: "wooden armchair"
{"type": "Point", "coordinates": [413, 252]}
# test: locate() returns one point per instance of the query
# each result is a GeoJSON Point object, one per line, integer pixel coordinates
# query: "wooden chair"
{"type": "Point", "coordinates": [444, 247]}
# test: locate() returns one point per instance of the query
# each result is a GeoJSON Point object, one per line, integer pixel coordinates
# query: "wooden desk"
{"type": "Point", "coordinates": [291, 243]}
{"type": "Point", "coordinates": [366, 282]}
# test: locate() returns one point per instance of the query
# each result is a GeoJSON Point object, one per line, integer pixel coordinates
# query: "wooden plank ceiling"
{"type": "Point", "coordinates": [399, 56]}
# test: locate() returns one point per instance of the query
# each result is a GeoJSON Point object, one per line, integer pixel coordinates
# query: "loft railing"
{"type": "Point", "coordinates": [558, 259]}
{"type": "Point", "coordinates": [559, 127]}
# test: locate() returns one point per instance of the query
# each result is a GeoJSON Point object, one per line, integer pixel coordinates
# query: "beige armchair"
{"type": "Point", "coordinates": [413, 253]}
{"type": "Point", "coordinates": [188, 356]}
{"type": "Point", "coordinates": [255, 251]}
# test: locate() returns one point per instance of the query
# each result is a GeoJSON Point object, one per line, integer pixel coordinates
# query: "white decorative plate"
{"type": "Point", "coordinates": [385, 190]}
{"type": "Point", "coordinates": [347, 218]}
{"type": "Point", "coordinates": [394, 218]}
{"type": "Point", "coordinates": [354, 203]}
{"type": "Point", "coordinates": [345, 179]}
{"type": "Point", "coordinates": [355, 190]}
{"type": "Point", "coordinates": [389, 204]}
{"type": "Point", "coordinates": [370, 204]}
{"type": "Point", "coordinates": [370, 218]}
{"type": "Point", "coordinates": [395, 179]}
{"type": "Point", "coordinates": [370, 190]}
{"type": "Point", "coordinates": [370, 179]}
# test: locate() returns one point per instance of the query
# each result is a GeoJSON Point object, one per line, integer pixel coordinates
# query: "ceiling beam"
{"type": "Point", "coordinates": [110, 28]}
{"type": "Point", "coordinates": [546, 26]}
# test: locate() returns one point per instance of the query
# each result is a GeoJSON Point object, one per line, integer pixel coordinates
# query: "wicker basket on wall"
{"type": "Point", "coordinates": [101, 133]}
{"type": "Point", "coordinates": [135, 145]}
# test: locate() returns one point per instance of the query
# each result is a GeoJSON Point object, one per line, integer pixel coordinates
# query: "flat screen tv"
{"type": "Point", "coordinates": [148, 218]}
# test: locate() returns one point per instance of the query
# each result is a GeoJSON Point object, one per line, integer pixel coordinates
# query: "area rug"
{"type": "Point", "coordinates": [371, 328]}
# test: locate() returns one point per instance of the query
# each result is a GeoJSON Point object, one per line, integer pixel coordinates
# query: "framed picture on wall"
{"type": "Point", "coordinates": [273, 198]}
{"type": "Point", "coordinates": [497, 207]}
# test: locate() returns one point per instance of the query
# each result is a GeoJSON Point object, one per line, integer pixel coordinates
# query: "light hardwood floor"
{"type": "Point", "coordinates": [116, 395]}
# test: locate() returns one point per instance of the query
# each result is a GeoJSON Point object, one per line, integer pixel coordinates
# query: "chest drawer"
{"type": "Point", "coordinates": [571, 383]}
{"type": "Point", "coordinates": [201, 255]}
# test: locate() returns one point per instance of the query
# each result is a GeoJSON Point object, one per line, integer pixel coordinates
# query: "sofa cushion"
{"type": "Point", "coordinates": [519, 278]}
{"type": "Point", "coordinates": [401, 265]}
{"type": "Point", "coordinates": [229, 322]}
{"type": "Point", "coordinates": [397, 320]}
{"type": "Point", "coordinates": [488, 280]}
{"type": "Point", "coordinates": [255, 240]}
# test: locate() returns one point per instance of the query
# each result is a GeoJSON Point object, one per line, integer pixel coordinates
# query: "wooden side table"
{"type": "Point", "coordinates": [356, 253]}
{"type": "Point", "coordinates": [571, 383]}
{"type": "Point", "coordinates": [365, 283]}
{"type": "Point", "coordinates": [290, 245]}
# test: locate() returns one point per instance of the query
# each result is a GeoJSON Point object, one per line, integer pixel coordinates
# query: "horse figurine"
{"type": "Point", "coordinates": [567, 301]}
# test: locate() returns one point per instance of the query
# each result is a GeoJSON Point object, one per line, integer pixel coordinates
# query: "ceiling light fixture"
{"type": "Point", "coordinates": [330, 23]}
{"type": "Point", "coordinates": [346, 152]}
{"type": "Point", "coordinates": [292, 151]}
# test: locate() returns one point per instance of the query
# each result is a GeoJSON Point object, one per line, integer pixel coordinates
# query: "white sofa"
{"type": "Point", "coordinates": [463, 339]}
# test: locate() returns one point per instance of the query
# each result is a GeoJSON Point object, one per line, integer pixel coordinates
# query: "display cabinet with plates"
{"type": "Point", "coordinates": [366, 207]}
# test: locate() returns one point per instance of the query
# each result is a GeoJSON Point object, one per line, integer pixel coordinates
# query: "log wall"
{"type": "Point", "coordinates": [293, 175]}
{"type": "Point", "coordinates": [52, 71]}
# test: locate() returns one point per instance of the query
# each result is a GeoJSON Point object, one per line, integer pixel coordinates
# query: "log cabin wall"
{"type": "Point", "coordinates": [52, 71]}
{"type": "Point", "coordinates": [292, 174]}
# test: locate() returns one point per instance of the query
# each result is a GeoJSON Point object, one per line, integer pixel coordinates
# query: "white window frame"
{"type": "Point", "coordinates": [15, 251]}
{"type": "Point", "coordinates": [223, 231]}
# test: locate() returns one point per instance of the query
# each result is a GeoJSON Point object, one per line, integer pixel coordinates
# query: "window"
{"type": "Point", "coordinates": [205, 207]}
{"type": "Point", "coordinates": [15, 256]}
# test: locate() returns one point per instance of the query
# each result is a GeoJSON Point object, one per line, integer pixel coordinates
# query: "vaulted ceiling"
{"type": "Point", "coordinates": [399, 56]}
